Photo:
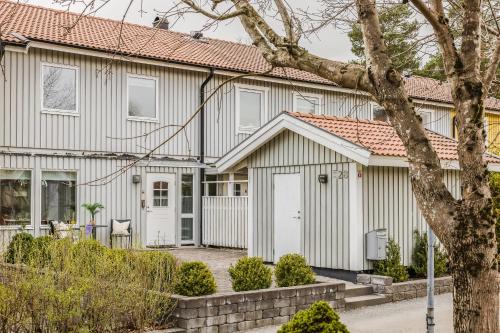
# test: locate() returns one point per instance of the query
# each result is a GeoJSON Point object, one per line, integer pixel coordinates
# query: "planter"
{"type": "Point", "coordinates": [238, 311]}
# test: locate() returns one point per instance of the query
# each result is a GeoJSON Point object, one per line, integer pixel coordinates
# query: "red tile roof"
{"type": "Point", "coordinates": [379, 137]}
{"type": "Point", "coordinates": [50, 25]}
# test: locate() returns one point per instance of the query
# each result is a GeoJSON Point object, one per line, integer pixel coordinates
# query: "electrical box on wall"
{"type": "Point", "coordinates": [376, 242]}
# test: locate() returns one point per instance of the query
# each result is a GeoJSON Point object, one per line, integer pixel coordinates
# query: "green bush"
{"type": "Point", "coordinates": [419, 257]}
{"type": "Point", "coordinates": [20, 248]}
{"type": "Point", "coordinates": [318, 318]}
{"type": "Point", "coordinates": [391, 266]}
{"type": "Point", "coordinates": [194, 278]}
{"type": "Point", "coordinates": [40, 253]}
{"type": "Point", "coordinates": [160, 268]}
{"type": "Point", "coordinates": [250, 273]}
{"type": "Point", "coordinates": [293, 270]}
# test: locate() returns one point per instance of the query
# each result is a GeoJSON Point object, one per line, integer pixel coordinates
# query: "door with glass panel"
{"type": "Point", "coordinates": [160, 224]}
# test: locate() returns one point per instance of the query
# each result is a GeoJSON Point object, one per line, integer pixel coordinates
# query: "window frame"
{"type": "Point", "coordinates": [76, 112]}
{"type": "Point", "coordinates": [375, 106]}
{"type": "Point", "coordinates": [264, 91]}
{"type": "Point", "coordinates": [188, 215]}
{"type": "Point", "coordinates": [31, 225]}
{"type": "Point", "coordinates": [431, 117]}
{"type": "Point", "coordinates": [297, 95]}
{"type": "Point", "coordinates": [143, 119]}
{"type": "Point", "coordinates": [77, 196]}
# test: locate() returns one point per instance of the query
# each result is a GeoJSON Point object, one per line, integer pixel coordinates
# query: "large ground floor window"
{"type": "Point", "coordinates": [15, 197]}
{"type": "Point", "coordinates": [58, 197]}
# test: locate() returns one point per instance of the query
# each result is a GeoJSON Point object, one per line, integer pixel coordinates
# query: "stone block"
{"type": "Point", "coordinates": [270, 294]}
{"type": "Point", "coordinates": [211, 329]}
{"type": "Point", "coordinates": [216, 320]}
{"type": "Point", "coordinates": [341, 287]}
{"type": "Point", "coordinates": [228, 308]}
{"type": "Point", "coordinates": [281, 302]}
{"type": "Point", "coordinates": [401, 287]}
{"type": "Point", "coordinates": [186, 313]}
{"type": "Point", "coordinates": [246, 325]}
{"type": "Point", "coordinates": [192, 323]}
{"type": "Point", "coordinates": [195, 302]}
{"type": "Point", "coordinates": [381, 280]}
{"type": "Point", "coordinates": [318, 290]}
{"type": "Point", "coordinates": [235, 298]}
{"type": "Point", "coordinates": [253, 315]}
{"type": "Point", "coordinates": [253, 296]}
{"type": "Point", "coordinates": [246, 306]}
{"type": "Point", "coordinates": [280, 320]}
{"type": "Point", "coordinates": [304, 291]}
{"type": "Point", "coordinates": [216, 300]}
{"type": "Point", "coordinates": [339, 295]}
{"type": "Point", "coordinates": [235, 317]}
{"type": "Point", "coordinates": [270, 313]}
{"type": "Point", "coordinates": [264, 304]}
{"type": "Point", "coordinates": [208, 311]}
{"type": "Point", "coordinates": [410, 294]}
{"type": "Point", "coordinates": [288, 292]}
{"type": "Point", "coordinates": [192, 330]}
{"type": "Point", "coordinates": [299, 300]}
{"type": "Point", "coordinates": [312, 298]}
{"type": "Point", "coordinates": [421, 292]}
{"type": "Point", "coordinates": [228, 328]}
{"type": "Point", "coordinates": [288, 311]}
{"type": "Point", "coordinates": [264, 322]}
{"type": "Point", "coordinates": [363, 278]}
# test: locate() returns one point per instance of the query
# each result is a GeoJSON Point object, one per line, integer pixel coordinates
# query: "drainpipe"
{"type": "Point", "coordinates": [202, 146]}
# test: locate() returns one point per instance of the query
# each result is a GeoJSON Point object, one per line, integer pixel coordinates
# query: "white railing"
{"type": "Point", "coordinates": [225, 221]}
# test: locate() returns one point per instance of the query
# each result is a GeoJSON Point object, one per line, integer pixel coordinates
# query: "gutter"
{"type": "Point", "coordinates": [202, 146]}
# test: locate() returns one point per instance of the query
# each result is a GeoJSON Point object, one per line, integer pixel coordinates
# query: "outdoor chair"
{"type": "Point", "coordinates": [120, 235]}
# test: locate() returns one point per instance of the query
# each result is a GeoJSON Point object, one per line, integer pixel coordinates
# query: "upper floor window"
{"type": "Point", "coordinates": [250, 108]}
{"type": "Point", "coordinates": [308, 103]}
{"type": "Point", "coordinates": [142, 97]}
{"type": "Point", "coordinates": [378, 113]}
{"type": "Point", "coordinates": [60, 88]}
{"type": "Point", "coordinates": [426, 119]}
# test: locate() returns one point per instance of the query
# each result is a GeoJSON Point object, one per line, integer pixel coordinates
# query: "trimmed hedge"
{"type": "Point", "coordinates": [250, 273]}
{"type": "Point", "coordinates": [392, 265]}
{"type": "Point", "coordinates": [20, 248]}
{"type": "Point", "coordinates": [194, 278]}
{"type": "Point", "coordinates": [293, 270]}
{"type": "Point", "coordinates": [319, 317]}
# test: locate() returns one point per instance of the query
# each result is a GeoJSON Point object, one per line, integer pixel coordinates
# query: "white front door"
{"type": "Point", "coordinates": [287, 214]}
{"type": "Point", "coordinates": [160, 223]}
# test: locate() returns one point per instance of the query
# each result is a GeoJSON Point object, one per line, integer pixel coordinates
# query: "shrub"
{"type": "Point", "coordinates": [20, 248]}
{"type": "Point", "coordinates": [319, 317]}
{"type": "Point", "coordinates": [194, 278]}
{"type": "Point", "coordinates": [250, 273]}
{"type": "Point", "coordinates": [160, 268]}
{"type": "Point", "coordinates": [419, 257]}
{"type": "Point", "coordinates": [40, 253]}
{"type": "Point", "coordinates": [293, 270]}
{"type": "Point", "coordinates": [391, 266]}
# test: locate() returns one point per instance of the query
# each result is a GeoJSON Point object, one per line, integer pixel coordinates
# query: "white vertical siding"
{"type": "Point", "coordinates": [225, 221]}
{"type": "Point", "coordinates": [388, 202]}
{"type": "Point", "coordinates": [121, 198]}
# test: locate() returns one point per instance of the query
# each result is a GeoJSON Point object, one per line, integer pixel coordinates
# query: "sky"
{"type": "Point", "coordinates": [330, 43]}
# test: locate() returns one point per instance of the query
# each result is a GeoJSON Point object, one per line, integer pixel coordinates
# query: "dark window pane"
{"type": "Point", "coordinates": [58, 197]}
{"type": "Point", "coordinates": [187, 194]}
{"type": "Point", "coordinates": [379, 114]}
{"type": "Point", "coordinates": [15, 197]}
{"type": "Point", "coordinates": [187, 229]}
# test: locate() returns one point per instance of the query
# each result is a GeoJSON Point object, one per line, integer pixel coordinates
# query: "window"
{"type": "Point", "coordinates": [142, 98]}
{"type": "Point", "coordinates": [160, 194]}
{"type": "Point", "coordinates": [58, 197]}
{"type": "Point", "coordinates": [307, 103]}
{"type": "Point", "coordinates": [187, 208]}
{"type": "Point", "coordinates": [251, 108]}
{"type": "Point", "coordinates": [60, 88]}
{"type": "Point", "coordinates": [15, 197]}
{"type": "Point", "coordinates": [426, 119]}
{"type": "Point", "coordinates": [240, 187]}
{"type": "Point", "coordinates": [216, 185]}
{"type": "Point", "coordinates": [378, 113]}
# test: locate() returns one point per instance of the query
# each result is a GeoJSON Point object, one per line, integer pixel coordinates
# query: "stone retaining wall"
{"type": "Point", "coordinates": [237, 311]}
{"type": "Point", "coordinates": [404, 290]}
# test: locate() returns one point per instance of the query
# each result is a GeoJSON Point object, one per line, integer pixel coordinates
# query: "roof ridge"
{"type": "Point", "coordinates": [104, 19]}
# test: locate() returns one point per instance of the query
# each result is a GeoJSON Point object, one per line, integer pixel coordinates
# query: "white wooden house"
{"type": "Point", "coordinates": [78, 106]}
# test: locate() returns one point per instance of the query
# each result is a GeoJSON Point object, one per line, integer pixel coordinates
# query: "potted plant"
{"type": "Point", "coordinates": [93, 209]}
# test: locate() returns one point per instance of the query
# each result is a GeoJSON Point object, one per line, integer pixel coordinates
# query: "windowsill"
{"type": "Point", "coordinates": [247, 130]}
{"type": "Point", "coordinates": [144, 120]}
{"type": "Point", "coordinates": [61, 113]}
{"type": "Point", "coordinates": [16, 227]}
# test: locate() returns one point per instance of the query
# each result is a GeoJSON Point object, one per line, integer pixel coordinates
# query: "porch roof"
{"type": "Point", "coordinates": [365, 141]}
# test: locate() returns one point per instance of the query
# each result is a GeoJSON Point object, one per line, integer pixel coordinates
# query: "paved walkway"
{"type": "Point", "coordinates": [400, 317]}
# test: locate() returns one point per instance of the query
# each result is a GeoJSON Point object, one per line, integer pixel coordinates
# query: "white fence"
{"type": "Point", "coordinates": [225, 221]}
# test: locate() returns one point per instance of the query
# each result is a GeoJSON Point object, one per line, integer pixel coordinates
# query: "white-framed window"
{"type": "Point", "coordinates": [15, 197]}
{"type": "Point", "coordinates": [58, 197]}
{"type": "Point", "coordinates": [59, 88]}
{"type": "Point", "coordinates": [307, 102]}
{"type": "Point", "coordinates": [187, 216]}
{"type": "Point", "coordinates": [427, 120]}
{"type": "Point", "coordinates": [142, 97]}
{"type": "Point", "coordinates": [251, 107]}
{"type": "Point", "coordinates": [378, 113]}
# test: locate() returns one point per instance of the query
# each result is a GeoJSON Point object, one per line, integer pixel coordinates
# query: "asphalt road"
{"type": "Point", "coordinates": [400, 317]}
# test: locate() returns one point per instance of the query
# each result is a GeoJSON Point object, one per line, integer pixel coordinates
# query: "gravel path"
{"type": "Point", "coordinates": [401, 317]}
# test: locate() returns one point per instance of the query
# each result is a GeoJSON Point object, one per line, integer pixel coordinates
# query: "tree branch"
{"type": "Point", "coordinates": [287, 21]}
{"type": "Point", "coordinates": [213, 16]}
{"type": "Point", "coordinates": [491, 72]}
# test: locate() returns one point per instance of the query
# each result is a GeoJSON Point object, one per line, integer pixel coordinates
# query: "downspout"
{"type": "Point", "coordinates": [202, 146]}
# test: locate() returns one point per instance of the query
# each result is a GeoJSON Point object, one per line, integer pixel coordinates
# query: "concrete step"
{"type": "Point", "coordinates": [357, 290]}
{"type": "Point", "coordinates": [362, 301]}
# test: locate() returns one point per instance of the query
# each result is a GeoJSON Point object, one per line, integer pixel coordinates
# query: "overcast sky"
{"type": "Point", "coordinates": [330, 43]}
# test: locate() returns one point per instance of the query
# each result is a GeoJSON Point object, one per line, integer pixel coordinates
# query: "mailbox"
{"type": "Point", "coordinates": [376, 242]}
